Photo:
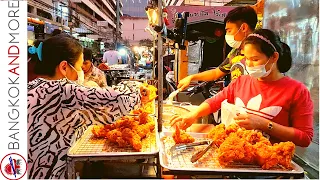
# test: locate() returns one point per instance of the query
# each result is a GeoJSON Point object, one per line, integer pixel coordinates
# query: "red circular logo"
{"type": "Point", "coordinates": [13, 166]}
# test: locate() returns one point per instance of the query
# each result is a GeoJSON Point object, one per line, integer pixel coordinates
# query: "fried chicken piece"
{"type": "Point", "coordinates": [232, 128]}
{"type": "Point", "coordinates": [121, 142]}
{"type": "Point", "coordinates": [110, 127]}
{"type": "Point", "coordinates": [270, 156]}
{"type": "Point", "coordinates": [249, 147]}
{"type": "Point", "coordinates": [252, 136]}
{"type": "Point", "coordinates": [218, 134]}
{"type": "Point", "coordinates": [235, 149]}
{"type": "Point", "coordinates": [126, 123]}
{"type": "Point", "coordinates": [286, 152]}
{"type": "Point", "coordinates": [143, 118]}
{"type": "Point", "coordinates": [133, 138]}
{"type": "Point", "coordinates": [181, 137]}
{"type": "Point", "coordinates": [99, 131]}
{"type": "Point", "coordinates": [127, 131]}
{"type": "Point", "coordinates": [113, 135]}
{"type": "Point", "coordinates": [137, 112]}
{"type": "Point", "coordinates": [151, 125]}
{"type": "Point", "coordinates": [142, 130]}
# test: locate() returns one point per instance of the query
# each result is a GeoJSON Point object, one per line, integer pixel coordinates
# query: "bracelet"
{"type": "Point", "coordinates": [270, 126]}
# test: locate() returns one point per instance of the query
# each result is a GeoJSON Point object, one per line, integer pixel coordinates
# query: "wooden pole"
{"type": "Point", "coordinates": [160, 69]}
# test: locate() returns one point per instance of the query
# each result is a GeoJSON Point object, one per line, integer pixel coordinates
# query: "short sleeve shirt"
{"type": "Point", "coordinates": [234, 64]}
{"type": "Point", "coordinates": [111, 57]}
{"type": "Point", "coordinates": [97, 76]}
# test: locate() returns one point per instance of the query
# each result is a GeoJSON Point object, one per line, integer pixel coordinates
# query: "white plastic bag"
{"type": "Point", "coordinates": [229, 112]}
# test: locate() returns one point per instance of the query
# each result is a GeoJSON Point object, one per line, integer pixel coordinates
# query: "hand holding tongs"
{"type": "Point", "coordinates": [199, 154]}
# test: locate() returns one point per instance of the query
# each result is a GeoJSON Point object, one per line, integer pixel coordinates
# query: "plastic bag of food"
{"type": "Point", "coordinates": [229, 112]}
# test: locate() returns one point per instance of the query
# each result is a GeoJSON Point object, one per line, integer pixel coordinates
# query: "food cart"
{"type": "Point", "coordinates": [174, 161]}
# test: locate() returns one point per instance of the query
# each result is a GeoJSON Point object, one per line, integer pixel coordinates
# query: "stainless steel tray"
{"type": "Point", "coordinates": [87, 145]}
{"type": "Point", "coordinates": [180, 160]}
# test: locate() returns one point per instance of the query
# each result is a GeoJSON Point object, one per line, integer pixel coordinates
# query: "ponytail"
{"type": "Point", "coordinates": [284, 62]}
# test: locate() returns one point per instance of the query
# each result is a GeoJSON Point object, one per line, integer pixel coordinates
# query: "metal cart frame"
{"type": "Point", "coordinates": [72, 174]}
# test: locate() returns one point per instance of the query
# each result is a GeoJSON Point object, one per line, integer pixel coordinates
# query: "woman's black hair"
{"type": "Point", "coordinates": [56, 32]}
{"type": "Point", "coordinates": [87, 54]}
{"type": "Point", "coordinates": [55, 50]}
{"type": "Point", "coordinates": [285, 60]}
{"type": "Point", "coordinates": [242, 14]}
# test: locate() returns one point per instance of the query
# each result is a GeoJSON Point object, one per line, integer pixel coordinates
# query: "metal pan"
{"type": "Point", "coordinates": [180, 160]}
{"type": "Point", "coordinates": [87, 145]}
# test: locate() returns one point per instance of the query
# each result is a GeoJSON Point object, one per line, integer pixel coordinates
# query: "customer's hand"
{"type": "Point", "coordinates": [184, 121]}
{"type": "Point", "coordinates": [184, 83]}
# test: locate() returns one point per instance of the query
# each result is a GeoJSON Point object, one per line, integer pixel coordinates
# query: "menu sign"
{"type": "Point", "coordinates": [199, 13]}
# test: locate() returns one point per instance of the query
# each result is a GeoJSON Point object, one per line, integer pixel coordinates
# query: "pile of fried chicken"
{"type": "Point", "coordinates": [129, 130]}
{"type": "Point", "coordinates": [238, 145]}
{"type": "Point", "coordinates": [181, 137]}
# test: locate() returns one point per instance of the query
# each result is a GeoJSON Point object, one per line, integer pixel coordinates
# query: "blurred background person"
{"type": "Point", "coordinates": [112, 57]}
{"type": "Point", "coordinates": [92, 73]}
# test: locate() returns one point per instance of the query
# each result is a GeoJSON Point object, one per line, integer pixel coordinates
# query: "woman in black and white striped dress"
{"type": "Point", "coordinates": [56, 102]}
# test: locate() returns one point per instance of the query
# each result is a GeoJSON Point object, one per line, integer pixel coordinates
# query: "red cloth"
{"type": "Point", "coordinates": [285, 101]}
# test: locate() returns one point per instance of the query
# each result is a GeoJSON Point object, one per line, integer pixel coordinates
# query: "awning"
{"type": "Point", "coordinates": [35, 21]}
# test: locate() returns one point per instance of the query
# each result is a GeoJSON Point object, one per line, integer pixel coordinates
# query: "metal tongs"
{"type": "Point", "coordinates": [187, 146]}
{"type": "Point", "coordinates": [199, 154]}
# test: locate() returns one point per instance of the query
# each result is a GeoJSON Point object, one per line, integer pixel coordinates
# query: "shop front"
{"type": "Point", "coordinates": [35, 29]}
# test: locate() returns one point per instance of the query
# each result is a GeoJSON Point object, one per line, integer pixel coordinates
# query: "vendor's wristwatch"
{"type": "Point", "coordinates": [270, 126]}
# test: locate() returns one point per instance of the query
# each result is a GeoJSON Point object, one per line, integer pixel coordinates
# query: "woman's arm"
{"type": "Point", "coordinates": [283, 133]}
{"type": "Point", "coordinates": [301, 116]}
{"type": "Point", "coordinates": [278, 131]}
{"type": "Point", "coordinates": [116, 101]}
{"type": "Point", "coordinates": [209, 106]}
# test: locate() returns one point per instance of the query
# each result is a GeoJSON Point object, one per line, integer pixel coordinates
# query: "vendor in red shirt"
{"type": "Point", "coordinates": [275, 104]}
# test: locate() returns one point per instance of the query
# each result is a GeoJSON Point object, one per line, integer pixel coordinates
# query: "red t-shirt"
{"type": "Point", "coordinates": [285, 101]}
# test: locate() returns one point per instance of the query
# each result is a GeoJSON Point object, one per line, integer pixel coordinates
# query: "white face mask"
{"type": "Point", "coordinates": [231, 41]}
{"type": "Point", "coordinates": [80, 74]}
{"type": "Point", "coordinates": [259, 71]}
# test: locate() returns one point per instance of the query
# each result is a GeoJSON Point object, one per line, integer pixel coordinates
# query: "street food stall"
{"type": "Point", "coordinates": [145, 136]}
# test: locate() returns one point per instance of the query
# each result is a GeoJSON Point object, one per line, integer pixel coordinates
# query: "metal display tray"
{"type": "Point", "coordinates": [180, 160]}
{"type": "Point", "coordinates": [87, 145]}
